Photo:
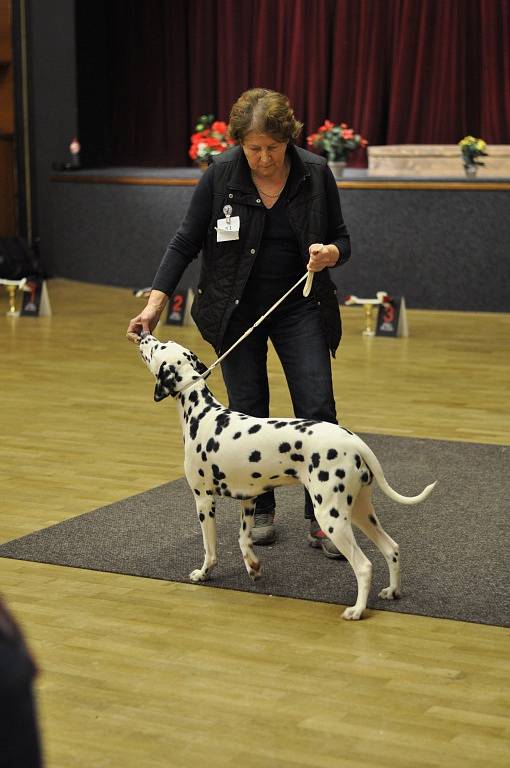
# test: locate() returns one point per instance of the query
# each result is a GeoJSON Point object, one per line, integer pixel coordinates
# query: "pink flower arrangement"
{"type": "Point", "coordinates": [210, 138]}
{"type": "Point", "coordinates": [336, 141]}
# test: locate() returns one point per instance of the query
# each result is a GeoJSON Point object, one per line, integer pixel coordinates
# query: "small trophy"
{"type": "Point", "coordinates": [11, 286]}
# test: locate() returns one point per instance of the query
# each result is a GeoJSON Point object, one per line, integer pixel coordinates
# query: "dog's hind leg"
{"type": "Point", "coordinates": [335, 522]}
{"type": "Point", "coordinates": [363, 515]}
{"type": "Point", "coordinates": [206, 515]}
{"type": "Point", "coordinates": [251, 561]}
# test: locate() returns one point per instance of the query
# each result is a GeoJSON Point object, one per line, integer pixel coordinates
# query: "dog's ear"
{"type": "Point", "coordinates": [165, 383]}
{"type": "Point", "coordinates": [198, 364]}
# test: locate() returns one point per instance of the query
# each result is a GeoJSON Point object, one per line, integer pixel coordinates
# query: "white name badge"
{"type": "Point", "coordinates": [227, 229]}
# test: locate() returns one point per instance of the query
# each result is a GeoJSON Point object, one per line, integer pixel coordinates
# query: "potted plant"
{"type": "Point", "coordinates": [210, 138]}
{"type": "Point", "coordinates": [471, 148]}
{"type": "Point", "coordinates": [336, 141]}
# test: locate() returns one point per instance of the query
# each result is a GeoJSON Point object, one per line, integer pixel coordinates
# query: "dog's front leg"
{"type": "Point", "coordinates": [206, 515]}
{"type": "Point", "coordinates": [251, 561]}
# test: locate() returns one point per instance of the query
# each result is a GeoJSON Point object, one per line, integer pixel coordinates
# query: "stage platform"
{"type": "Point", "coordinates": [440, 242]}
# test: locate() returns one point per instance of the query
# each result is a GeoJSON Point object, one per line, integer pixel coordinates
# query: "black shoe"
{"type": "Point", "coordinates": [318, 539]}
{"type": "Point", "coordinates": [263, 531]}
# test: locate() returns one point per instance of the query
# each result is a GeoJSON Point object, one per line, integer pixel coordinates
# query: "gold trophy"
{"type": "Point", "coordinates": [11, 286]}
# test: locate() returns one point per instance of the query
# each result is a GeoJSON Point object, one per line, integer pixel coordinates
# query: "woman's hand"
{"type": "Point", "coordinates": [148, 318]}
{"type": "Point", "coordinates": [322, 256]}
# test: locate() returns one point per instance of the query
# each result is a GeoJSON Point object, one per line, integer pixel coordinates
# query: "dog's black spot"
{"type": "Point", "coordinates": [340, 473]}
{"type": "Point", "coordinates": [323, 476]}
{"type": "Point", "coordinates": [201, 472]}
{"type": "Point", "coordinates": [217, 473]}
{"type": "Point", "coordinates": [222, 422]}
{"type": "Point", "coordinates": [291, 472]}
{"type": "Point", "coordinates": [349, 500]}
{"type": "Point", "coordinates": [284, 447]}
{"type": "Point", "coordinates": [332, 454]}
{"type": "Point", "coordinates": [334, 512]}
{"type": "Point", "coordinates": [316, 459]}
{"type": "Point", "coordinates": [395, 559]}
{"type": "Point", "coordinates": [212, 445]}
{"type": "Point", "coordinates": [211, 513]}
{"type": "Point", "coordinates": [193, 397]}
{"type": "Point", "coordinates": [364, 477]}
{"type": "Point", "coordinates": [209, 493]}
{"type": "Point", "coordinates": [199, 447]}
{"type": "Point", "coordinates": [297, 457]}
{"type": "Point", "coordinates": [244, 525]}
{"type": "Point", "coordinates": [256, 474]}
{"type": "Point", "coordinates": [254, 429]}
{"type": "Point", "coordinates": [271, 421]}
{"type": "Point", "coordinates": [201, 517]}
{"type": "Point", "coordinates": [318, 498]}
{"type": "Point", "coordinates": [280, 424]}
{"type": "Point", "coordinates": [255, 456]}
{"type": "Point", "coordinates": [197, 491]}
{"type": "Point", "coordinates": [274, 477]}
{"type": "Point", "coordinates": [331, 530]}
{"type": "Point", "coordinates": [357, 459]}
{"type": "Point", "coordinates": [341, 487]}
{"type": "Point", "coordinates": [370, 517]}
{"type": "Point", "coordinates": [298, 445]}
{"type": "Point", "coordinates": [237, 436]}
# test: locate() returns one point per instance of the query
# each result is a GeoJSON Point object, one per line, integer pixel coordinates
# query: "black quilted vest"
{"type": "Point", "coordinates": [226, 266]}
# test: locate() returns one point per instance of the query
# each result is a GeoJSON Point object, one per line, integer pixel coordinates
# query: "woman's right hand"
{"type": "Point", "coordinates": [148, 318]}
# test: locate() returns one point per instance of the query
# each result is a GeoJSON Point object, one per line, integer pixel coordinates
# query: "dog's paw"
{"type": "Point", "coordinates": [389, 593]}
{"type": "Point", "coordinates": [254, 575]}
{"type": "Point", "coordinates": [198, 576]}
{"type": "Point", "coordinates": [352, 614]}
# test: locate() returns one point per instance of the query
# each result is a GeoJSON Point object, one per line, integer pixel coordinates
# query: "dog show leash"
{"type": "Point", "coordinates": [308, 277]}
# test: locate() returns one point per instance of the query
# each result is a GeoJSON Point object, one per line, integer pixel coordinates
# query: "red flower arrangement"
{"type": "Point", "coordinates": [210, 138]}
{"type": "Point", "coordinates": [335, 140]}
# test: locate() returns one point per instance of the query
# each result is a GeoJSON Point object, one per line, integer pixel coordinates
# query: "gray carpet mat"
{"type": "Point", "coordinates": [454, 546]}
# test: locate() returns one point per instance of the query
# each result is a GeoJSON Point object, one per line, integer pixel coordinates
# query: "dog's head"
{"type": "Point", "coordinates": [173, 366]}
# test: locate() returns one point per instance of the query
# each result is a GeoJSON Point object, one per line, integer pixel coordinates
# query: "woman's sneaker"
{"type": "Point", "coordinates": [318, 539]}
{"type": "Point", "coordinates": [263, 531]}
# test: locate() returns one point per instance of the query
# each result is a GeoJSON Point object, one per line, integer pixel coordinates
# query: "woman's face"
{"type": "Point", "coordinates": [264, 153]}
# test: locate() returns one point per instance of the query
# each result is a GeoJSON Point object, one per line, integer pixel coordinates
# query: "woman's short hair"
{"type": "Point", "coordinates": [263, 111]}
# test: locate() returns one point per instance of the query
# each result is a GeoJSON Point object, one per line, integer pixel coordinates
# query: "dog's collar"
{"type": "Point", "coordinates": [193, 380]}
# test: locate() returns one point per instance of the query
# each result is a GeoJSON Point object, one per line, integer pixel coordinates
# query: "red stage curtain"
{"type": "Point", "coordinates": [398, 71]}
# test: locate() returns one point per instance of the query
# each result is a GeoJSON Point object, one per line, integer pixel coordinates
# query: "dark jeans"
{"type": "Point", "coordinates": [296, 333]}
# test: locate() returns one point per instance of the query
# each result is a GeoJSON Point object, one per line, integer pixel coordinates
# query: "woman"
{"type": "Point", "coordinates": [290, 220]}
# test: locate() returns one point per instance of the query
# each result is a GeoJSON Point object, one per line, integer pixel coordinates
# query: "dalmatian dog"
{"type": "Point", "coordinates": [230, 454]}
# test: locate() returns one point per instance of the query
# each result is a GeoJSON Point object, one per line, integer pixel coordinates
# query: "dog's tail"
{"type": "Point", "coordinates": [375, 467]}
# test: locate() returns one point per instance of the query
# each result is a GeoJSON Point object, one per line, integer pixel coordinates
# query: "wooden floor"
{"type": "Point", "coordinates": [138, 673]}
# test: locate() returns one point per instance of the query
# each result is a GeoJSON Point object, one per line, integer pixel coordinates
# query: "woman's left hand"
{"type": "Point", "coordinates": [322, 256]}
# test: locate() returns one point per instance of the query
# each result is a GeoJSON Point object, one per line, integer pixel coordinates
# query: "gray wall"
{"type": "Point", "coordinates": [52, 78]}
{"type": "Point", "coordinates": [441, 249]}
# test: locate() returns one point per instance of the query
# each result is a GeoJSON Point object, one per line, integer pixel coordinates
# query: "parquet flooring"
{"type": "Point", "coordinates": [142, 673]}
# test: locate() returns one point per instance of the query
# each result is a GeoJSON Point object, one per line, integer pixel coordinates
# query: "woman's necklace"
{"type": "Point", "coordinates": [268, 194]}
